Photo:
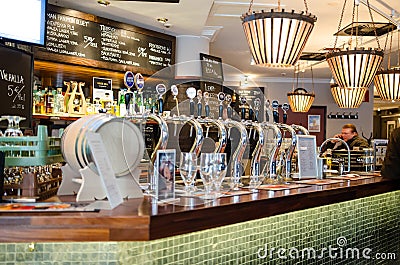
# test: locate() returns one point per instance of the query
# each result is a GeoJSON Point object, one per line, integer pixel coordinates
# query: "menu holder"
{"type": "Point", "coordinates": [307, 156]}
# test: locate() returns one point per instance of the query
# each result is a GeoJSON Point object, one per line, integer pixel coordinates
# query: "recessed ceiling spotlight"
{"type": "Point", "coordinates": [162, 20]}
{"type": "Point", "coordinates": [103, 2]}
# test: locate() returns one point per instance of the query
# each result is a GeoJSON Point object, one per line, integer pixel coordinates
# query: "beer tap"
{"type": "Point", "coordinates": [285, 108]}
{"type": "Point", "coordinates": [206, 97]}
{"type": "Point", "coordinates": [229, 112]}
{"type": "Point", "coordinates": [191, 94]}
{"type": "Point", "coordinates": [160, 89]}
{"type": "Point", "coordinates": [139, 84]}
{"type": "Point", "coordinates": [174, 92]}
{"type": "Point", "coordinates": [236, 167]}
{"type": "Point", "coordinates": [221, 99]}
{"type": "Point", "coordinates": [275, 112]}
{"type": "Point", "coordinates": [255, 172]}
{"type": "Point", "coordinates": [274, 154]}
{"type": "Point", "coordinates": [268, 111]}
{"type": "Point", "coordinates": [243, 101]}
{"type": "Point", "coordinates": [257, 104]}
{"type": "Point", "coordinates": [163, 140]}
{"type": "Point", "coordinates": [199, 104]}
{"type": "Point", "coordinates": [300, 128]}
{"type": "Point", "coordinates": [290, 150]}
{"type": "Point", "coordinates": [129, 81]}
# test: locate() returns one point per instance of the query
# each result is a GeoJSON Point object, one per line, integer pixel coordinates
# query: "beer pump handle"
{"type": "Point", "coordinates": [229, 112]}
{"type": "Point", "coordinates": [191, 94]}
{"type": "Point", "coordinates": [199, 104]}
{"type": "Point", "coordinates": [206, 106]}
{"type": "Point", "coordinates": [285, 107]}
{"type": "Point", "coordinates": [275, 112]}
{"type": "Point", "coordinates": [221, 98]}
{"type": "Point", "coordinates": [161, 89]}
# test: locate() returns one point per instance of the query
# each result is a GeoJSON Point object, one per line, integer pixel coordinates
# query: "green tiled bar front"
{"type": "Point", "coordinates": [372, 222]}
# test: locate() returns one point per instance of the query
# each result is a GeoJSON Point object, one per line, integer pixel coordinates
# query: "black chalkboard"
{"type": "Point", "coordinates": [211, 67]}
{"type": "Point", "coordinates": [105, 41]}
{"type": "Point", "coordinates": [16, 69]}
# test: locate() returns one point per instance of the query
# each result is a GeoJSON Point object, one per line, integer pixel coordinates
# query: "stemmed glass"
{"type": "Point", "coordinates": [188, 169]}
{"type": "Point", "coordinates": [13, 125]}
{"type": "Point", "coordinates": [206, 173]}
{"type": "Point", "coordinates": [219, 171]}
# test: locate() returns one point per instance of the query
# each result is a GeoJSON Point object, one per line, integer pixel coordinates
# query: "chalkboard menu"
{"type": "Point", "coordinates": [211, 67]}
{"type": "Point", "coordinates": [105, 41]}
{"type": "Point", "coordinates": [16, 83]}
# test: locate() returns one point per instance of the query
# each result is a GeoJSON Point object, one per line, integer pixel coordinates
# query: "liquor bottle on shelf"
{"type": "Point", "coordinates": [96, 105]}
{"type": "Point", "coordinates": [106, 103]}
{"type": "Point", "coordinates": [89, 107]}
{"type": "Point", "coordinates": [49, 100]}
{"type": "Point", "coordinates": [122, 103]}
{"type": "Point", "coordinates": [59, 104]}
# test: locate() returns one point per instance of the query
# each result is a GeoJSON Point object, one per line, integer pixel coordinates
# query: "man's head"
{"type": "Point", "coordinates": [349, 131]}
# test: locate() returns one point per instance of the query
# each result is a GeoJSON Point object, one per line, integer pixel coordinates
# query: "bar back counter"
{"type": "Point", "coordinates": [351, 222]}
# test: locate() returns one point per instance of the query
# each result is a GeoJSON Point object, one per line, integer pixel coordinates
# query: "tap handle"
{"type": "Point", "coordinates": [128, 97]}
{"type": "Point", "coordinates": [206, 97]}
{"type": "Point", "coordinates": [243, 101]}
{"type": "Point", "coordinates": [251, 114]}
{"type": "Point", "coordinates": [199, 104]}
{"type": "Point", "coordinates": [221, 98]}
{"type": "Point", "coordinates": [228, 99]}
{"type": "Point", "coordinates": [191, 94]}
{"type": "Point", "coordinates": [161, 89]}
{"type": "Point", "coordinates": [275, 112]}
{"type": "Point", "coordinates": [191, 108]}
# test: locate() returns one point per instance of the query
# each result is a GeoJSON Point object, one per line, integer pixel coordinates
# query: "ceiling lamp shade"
{"type": "Point", "coordinates": [355, 68]}
{"type": "Point", "coordinates": [387, 83]}
{"type": "Point", "coordinates": [300, 100]}
{"type": "Point", "coordinates": [276, 39]}
{"type": "Point", "coordinates": [348, 98]}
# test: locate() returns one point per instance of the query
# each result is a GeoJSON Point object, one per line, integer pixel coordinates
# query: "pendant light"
{"type": "Point", "coordinates": [349, 98]}
{"type": "Point", "coordinates": [354, 67]}
{"type": "Point", "coordinates": [387, 82]}
{"type": "Point", "coordinates": [277, 38]}
{"type": "Point", "coordinates": [300, 100]}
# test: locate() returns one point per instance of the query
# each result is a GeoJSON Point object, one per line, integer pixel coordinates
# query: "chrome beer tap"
{"type": "Point", "coordinates": [290, 150]}
{"type": "Point", "coordinates": [285, 108]}
{"type": "Point", "coordinates": [236, 167]}
{"type": "Point", "coordinates": [199, 104]}
{"type": "Point", "coordinates": [161, 90]}
{"type": "Point", "coordinates": [300, 128]}
{"type": "Point", "coordinates": [268, 111]}
{"type": "Point", "coordinates": [139, 84]}
{"type": "Point", "coordinates": [257, 105]}
{"type": "Point", "coordinates": [275, 112]}
{"type": "Point", "coordinates": [229, 112]}
{"type": "Point", "coordinates": [274, 154]}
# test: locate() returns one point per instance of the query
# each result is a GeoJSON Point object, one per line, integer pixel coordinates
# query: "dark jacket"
{"type": "Point", "coordinates": [391, 164]}
{"type": "Point", "coordinates": [356, 141]}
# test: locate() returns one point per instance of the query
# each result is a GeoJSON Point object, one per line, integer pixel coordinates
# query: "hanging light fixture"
{"type": "Point", "coordinates": [276, 39]}
{"type": "Point", "coordinates": [347, 97]}
{"type": "Point", "coordinates": [300, 100]}
{"type": "Point", "coordinates": [387, 82]}
{"type": "Point", "coordinates": [354, 67]}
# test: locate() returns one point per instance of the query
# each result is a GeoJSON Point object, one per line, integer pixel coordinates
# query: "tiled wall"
{"type": "Point", "coordinates": [369, 223]}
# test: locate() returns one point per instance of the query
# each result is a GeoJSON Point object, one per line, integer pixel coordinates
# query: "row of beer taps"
{"type": "Point", "coordinates": [279, 156]}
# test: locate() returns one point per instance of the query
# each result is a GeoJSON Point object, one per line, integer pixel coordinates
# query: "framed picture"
{"type": "Point", "coordinates": [390, 126]}
{"type": "Point", "coordinates": [314, 123]}
{"type": "Point", "coordinates": [165, 170]}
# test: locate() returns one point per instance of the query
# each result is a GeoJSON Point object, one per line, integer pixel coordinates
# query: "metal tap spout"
{"type": "Point", "coordinates": [290, 150]}
{"type": "Point", "coordinates": [275, 151]}
{"type": "Point", "coordinates": [163, 140]}
{"type": "Point", "coordinates": [222, 134]}
{"type": "Point", "coordinates": [300, 128]}
{"type": "Point", "coordinates": [345, 144]}
{"type": "Point", "coordinates": [237, 156]}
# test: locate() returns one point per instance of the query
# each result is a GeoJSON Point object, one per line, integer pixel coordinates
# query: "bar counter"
{"type": "Point", "coordinates": [142, 220]}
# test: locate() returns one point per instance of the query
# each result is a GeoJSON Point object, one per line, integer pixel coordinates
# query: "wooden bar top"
{"type": "Point", "coordinates": [140, 219]}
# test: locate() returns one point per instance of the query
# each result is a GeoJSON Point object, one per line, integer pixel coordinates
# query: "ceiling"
{"type": "Point", "coordinates": [220, 21]}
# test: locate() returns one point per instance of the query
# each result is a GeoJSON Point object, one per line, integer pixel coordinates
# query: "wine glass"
{"type": "Point", "coordinates": [188, 169]}
{"type": "Point", "coordinates": [206, 173]}
{"type": "Point", "coordinates": [219, 172]}
{"type": "Point", "coordinates": [13, 125]}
